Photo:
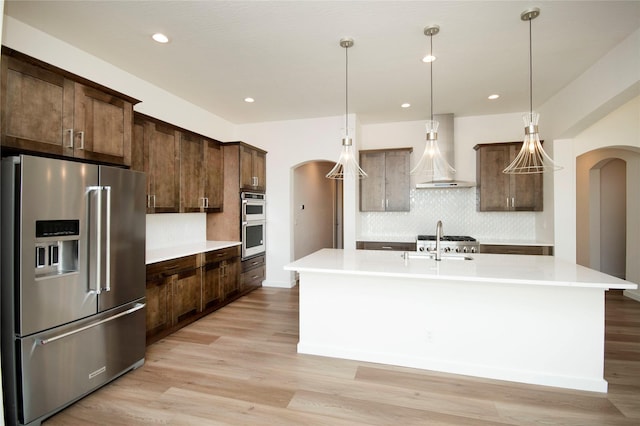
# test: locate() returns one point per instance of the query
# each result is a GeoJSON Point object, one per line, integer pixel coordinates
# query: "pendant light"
{"type": "Point", "coordinates": [347, 164]}
{"type": "Point", "coordinates": [531, 158]}
{"type": "Point", "coordinates": [432, 163]}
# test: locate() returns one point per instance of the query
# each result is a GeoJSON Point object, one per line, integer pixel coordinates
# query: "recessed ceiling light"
{"type": "Point", "coordinates": [429, 58]}
{"type": "Point", "coordinates": [249, 100]}
{"type": "Point", "coordinates": [494, 96]}
{"type": "Point", "coordinates": [160, 38]}
{"type": "Point", "coordinates": [405, 105]}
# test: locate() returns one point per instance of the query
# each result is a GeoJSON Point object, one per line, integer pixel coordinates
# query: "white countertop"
{"type": "Point", "coordinates": [167, 253]}
{"type": "Point", "coordinates": [490, 268]}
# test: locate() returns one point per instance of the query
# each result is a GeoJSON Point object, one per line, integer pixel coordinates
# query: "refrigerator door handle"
{"type": "Point", "coordinates": [95, 279]}
{"type": "Point", "coordinates": [135, 308]}
{"type": "Point", "coordinates": [107, 272]}
{"type": "Point", "coordinates": [101, 268]}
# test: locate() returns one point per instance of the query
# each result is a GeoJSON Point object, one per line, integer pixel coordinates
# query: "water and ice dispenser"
{"type": "Point", "coordinates": [56, 247]}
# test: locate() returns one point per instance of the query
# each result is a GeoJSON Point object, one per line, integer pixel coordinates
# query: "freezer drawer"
{"type": "Point", "coordinates": [64, 364]}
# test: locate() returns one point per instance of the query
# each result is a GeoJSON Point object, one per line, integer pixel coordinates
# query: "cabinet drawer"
{"type": "Point", "coordinates": [379, 245]}
{"type": "Point", "coordinates": [171, 267]}
{"type": "Point", "coordinates": [222, 254]}
{"type": "Point", "coordinates": [253, 277]}
{"type": "Point", "coordinates": [506, 249]}
{"type": "Point", "coordinates": [252, 263]}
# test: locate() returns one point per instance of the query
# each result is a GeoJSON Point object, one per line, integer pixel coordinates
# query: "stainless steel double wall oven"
{"type": "Point", "coordinates": [253, 212]}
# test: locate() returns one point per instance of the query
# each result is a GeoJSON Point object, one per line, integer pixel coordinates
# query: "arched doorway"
{"type": "Point", "coordinates": [317, 209]}
{"type": "Point", "coordinates": [607, 211]}
{"type": "Point", "coordinates": [608, 217]}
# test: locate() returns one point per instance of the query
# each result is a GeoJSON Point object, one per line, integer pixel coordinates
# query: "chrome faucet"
{"type": "Point", "coordinates": [438, 238]}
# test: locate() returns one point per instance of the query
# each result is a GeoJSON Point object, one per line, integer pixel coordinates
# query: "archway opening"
{"type": "Point", "coordinates": [316, 209]}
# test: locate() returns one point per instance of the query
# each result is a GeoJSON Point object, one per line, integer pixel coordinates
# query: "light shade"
{"type": "Point", "coordinates": [531, 158]}
{"type": "Point", "coordinates": [347, 165]}
{"type": "Point", "coordinates": [432, 164]}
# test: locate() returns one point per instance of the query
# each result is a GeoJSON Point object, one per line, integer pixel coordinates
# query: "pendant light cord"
{"type": "Point", "coordinates": [346, 91]}
{"type": "Point", "coordinates": [530, 72]}
{"type": "Point", "coordinates": [431, 73]}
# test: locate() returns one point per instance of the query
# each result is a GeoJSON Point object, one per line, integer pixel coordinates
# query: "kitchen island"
{"type": "Point", "coordinates": [529, 319]}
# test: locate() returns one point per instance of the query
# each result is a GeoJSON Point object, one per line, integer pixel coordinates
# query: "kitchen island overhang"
{"type": "Point", "coordinates": [530, 319]}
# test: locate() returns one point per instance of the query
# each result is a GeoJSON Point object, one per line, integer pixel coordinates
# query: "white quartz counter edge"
{"type": "Point", "coordinates": [484, 268]}
{"type": "Point", "coordinates": [168, 253]}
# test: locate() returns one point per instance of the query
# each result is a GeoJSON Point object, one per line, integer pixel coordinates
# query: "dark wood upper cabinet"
{"type": "Point", "coordinates": [156, 151]}
{"type": "Point", "coordinates": [387, 185]}
{"type": "Point", "coordinates": [185, 170]}
{"type": "Point", "coordinates": [201, 174]}
{"type": "Point", "coordinates": [253, 169]}
{"type": "Point", "coordinates": [497, 191]}
{"type": "Point", "coordinates": [50, 111]}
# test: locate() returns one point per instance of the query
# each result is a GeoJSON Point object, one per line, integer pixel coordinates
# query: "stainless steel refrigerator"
{"type": "Point", "coordinates": [73, 281]}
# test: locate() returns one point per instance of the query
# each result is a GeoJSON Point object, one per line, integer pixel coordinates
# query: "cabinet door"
{"type": "Point", "coordinates": [493, 185]}
{"type": "Point", "coordinates": [397, 181]}
{"type": "Point", "coordinates": [230, 277]}
{"type": "Point", "coordinates": [159, 303]}
{"type": "Point", "coordinates": [37, 108]}
{"type": "Point", "coordinates": [191, 173]}
{"type": "Point", "coordinates": [246, 168]}
{"type": "Point", "coordinates": [260, 170]}
{"type": "Point", "coordinates": [372, 188]}
{"type": "Point", "coordinates": [186, 295]}
{"type": "Point", "coordinates": [162, 164]}
{"type": "Point", "coordinates": [213, 176]}
{"type": "Point", "coordinates": [137, 146]}
{"type": "Point", "coordinates": [103, 125]}
{"type": "Point", "coordinates": [212, 292]}
{"type": "Point", "coordinates": [526, 190]}
{"type": "Point", "coordinates": [253, 169]}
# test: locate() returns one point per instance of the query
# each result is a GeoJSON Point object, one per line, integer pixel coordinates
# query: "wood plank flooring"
{"type": "Point", "coordinates": [239, 366]}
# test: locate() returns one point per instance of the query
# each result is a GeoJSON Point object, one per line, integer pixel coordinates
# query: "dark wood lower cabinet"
{"type": "Point", "coordinates": [511, 249]}
{"type": "Point", "coordinates": [186, 295]}
{"type": "Point", "coordinates": [182, 290]}
{"type": "Point", "coordinates": [380, 245]}
{"type": "Point", "coordinates": [253, 273]}
{"type": "Point", "coordinates": [159, 303]}
{"type": "Point", "coordinates": [211, 287]}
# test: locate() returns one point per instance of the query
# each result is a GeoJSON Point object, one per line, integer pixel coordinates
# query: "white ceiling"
{"type": "Point", "coordinates": [286, 54]}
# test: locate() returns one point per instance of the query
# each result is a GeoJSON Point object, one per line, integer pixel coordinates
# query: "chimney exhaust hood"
{"type": "Point", "coordinates": [440, 184]}
{"type": "Point", "coordinates": [445, 143]}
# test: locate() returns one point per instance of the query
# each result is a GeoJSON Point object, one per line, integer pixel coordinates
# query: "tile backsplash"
{"type": "Point", "coordinates": [457, 210]}
{"type": "Point", "coordinates": [174, 229]}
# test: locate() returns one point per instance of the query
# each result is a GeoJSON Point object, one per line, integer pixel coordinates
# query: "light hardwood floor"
{"type": "Point", "coordinates": [239, 366]}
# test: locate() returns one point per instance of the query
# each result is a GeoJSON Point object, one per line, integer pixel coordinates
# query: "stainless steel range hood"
{"type": "Point", "coordinates": [445, 143]}
{"type": "Point", "coordinates": [439, 184]}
